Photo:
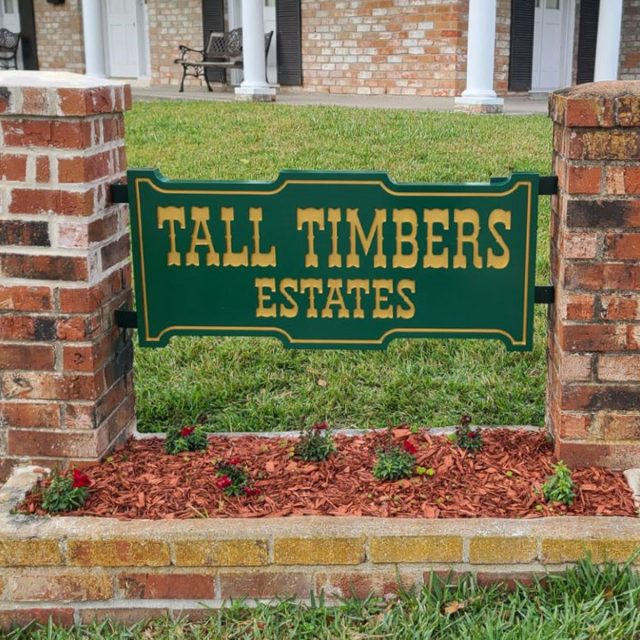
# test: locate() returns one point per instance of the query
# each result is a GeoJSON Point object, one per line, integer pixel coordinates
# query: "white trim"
{"type": "Point", "coordinates": [568, 37]}
{"type": "Point", "coordinates": [608, 41]}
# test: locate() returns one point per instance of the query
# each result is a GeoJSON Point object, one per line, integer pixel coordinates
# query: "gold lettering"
{"type": "Point", "coordinates": [402, 217]}
{"type": "Point", "coordinates": [462, 217]}
{"type": "Point", "coordinates": [356, 230]}
{"type": "Point", "coordinates": [358, 285]}
{"type": "Point", "coordinates": [258, 258]}
{"type": "Point", "coordinates": [171, 215]}
{"type": "Point", "coordinates": [263, 311]}
{"type": "Point", "coordinates": [334, 297]}
{"type": "Point", "coordinates": [499, 216]}
{"type": "Point", "coordinates": [313, 285]}
{"type": "Point", "coordinates": [200, 217]}
{"type": "Point", "coordinates": [410, 310]}
{"type": "Point", "coordinates": [230, 257]}
{"type": "Point", "coordinates": [379, 311]}
{"type": "Point", "coordinates": [335, 259]}
{"type": "Point", "coordinates": [291, 311]}
{"type": "Point", "coordinates": [310, 217]}
{"type": "Point", "coordinates": [433, 260]}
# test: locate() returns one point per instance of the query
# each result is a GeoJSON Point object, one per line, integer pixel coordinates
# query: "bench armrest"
{"type": "Point", "coordinates": [186, 51]}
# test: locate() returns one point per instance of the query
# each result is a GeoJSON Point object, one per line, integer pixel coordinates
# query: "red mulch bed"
{"type": "Point", "coordinates": [141, 481]}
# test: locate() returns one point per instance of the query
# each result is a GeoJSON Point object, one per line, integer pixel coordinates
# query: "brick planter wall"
{"type": "Point", "coordinates": [65, 369]}
{"type": "Point", "coordinates": [86, 569]}
{"type": "Point", "coordinates": [593, 406]}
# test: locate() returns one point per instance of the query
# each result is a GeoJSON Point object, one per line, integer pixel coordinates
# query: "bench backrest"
{"type": "Point", "coordinates": [224, 45]}
{"type": "Point", "coordinates": [229, 44]}
{"type": "Point", "coordinates": [8, 44]}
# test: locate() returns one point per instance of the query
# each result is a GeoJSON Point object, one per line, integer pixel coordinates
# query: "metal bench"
{"type": "Point", "coordinates": [9, 42]}
{"type": "Point", "coordinates": [223, 51]}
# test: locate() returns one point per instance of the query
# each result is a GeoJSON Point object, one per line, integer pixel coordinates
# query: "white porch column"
{"type": "Point", "coordinates": [254, 86]}
{"type": "Point", "coordinates": [479, 95]}
{"type": "Point", "coordinates": [608, 42]}
{"type": "Point", "coordinates": [92, 30]}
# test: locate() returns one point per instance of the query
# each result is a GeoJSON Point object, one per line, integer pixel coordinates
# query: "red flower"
{"type": "Point", "coordinates": [80, 479]}
{"type": "Point", "coordinates": [409, 447]}
{"type": "Point", "coordinates": [320, 426]}
{"type": "Point", "coordinates": [223, 482]}
{"type": "Point", "coordinates": [234, 461]}
{"type": "Point", "coordinates": [472, 434]}
{"type": "Point", "coordinates": [249, 491]}
{"type": "Point", "coordinates": [185, 432]}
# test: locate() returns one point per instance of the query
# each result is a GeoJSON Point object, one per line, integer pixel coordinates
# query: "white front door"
{"type": "Point", "coordinates": [10, 19]}
{"type": "Point", "coordinates": [547, 46]}
{"type": "Point", "coordinates": [122, 38]}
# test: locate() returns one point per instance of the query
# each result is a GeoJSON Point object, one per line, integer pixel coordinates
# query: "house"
{"type": "Point", "coordinates": [402, 47]}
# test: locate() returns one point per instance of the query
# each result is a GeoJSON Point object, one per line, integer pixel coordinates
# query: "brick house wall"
{"type": "Point", "coordinates": [630, 42]}
{"type": "Point", "coordinates": [382, 46]}
{"type": "Point", "coordinates": [387, 46]}
{"type": "Point", "coordinates": [59, 35]}
{"type": "Point", "coordinates": [171, 24]}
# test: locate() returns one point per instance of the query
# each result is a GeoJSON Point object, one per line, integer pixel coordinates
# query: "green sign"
{"type": "Point", "coordinates": [334, 260]}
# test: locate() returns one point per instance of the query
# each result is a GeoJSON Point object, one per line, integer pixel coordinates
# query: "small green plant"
{"type": "Point", "coordinates": [184, 439]}
{"type": "Point", "coordinates": [315, 444]}
{"type": "Point", "coordinates": [394, 463]}
{"type": "Point", "coordinates": [559, 486]}
{"type": "Point", "coordinates": [466, 437]}
{"type": "Point", "coordinates": [423, 471]}
{"type": "Point", "coordinates": [233, 479]}
{"type": "Point", "coordinates": [66, 492]}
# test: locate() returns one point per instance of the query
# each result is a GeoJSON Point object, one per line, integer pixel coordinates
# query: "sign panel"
{"type": "Point", "coordinates": [334, 260]}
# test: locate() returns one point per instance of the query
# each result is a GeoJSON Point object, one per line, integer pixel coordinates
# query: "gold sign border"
{"type": "Point", "coordinates": [292, 340]}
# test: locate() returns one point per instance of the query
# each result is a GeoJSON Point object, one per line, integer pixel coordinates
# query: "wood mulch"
{"type": "Point", "coordinates": [502, 480]}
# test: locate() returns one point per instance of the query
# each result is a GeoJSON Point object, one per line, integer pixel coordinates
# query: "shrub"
{"type": "Point", "coordinates": [394, 463]}
{"type": "Point", "coordinates": [66, 492]}
{"type": "Point", "coordinates": [233, 479]}
{"type": "Point", "coordinates": [315, 444]}
{"type": "Point", "coordinates": [559, 486]}
{"type": "Point", "coordinates": [181, 439]}
{"type": "Point", "coordinates": [466, 437]}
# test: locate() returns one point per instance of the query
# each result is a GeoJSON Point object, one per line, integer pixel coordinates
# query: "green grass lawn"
{"type": "Point", "coordinates": [586, 603]}
{"type": "Point", "coordinates": [249, 384]}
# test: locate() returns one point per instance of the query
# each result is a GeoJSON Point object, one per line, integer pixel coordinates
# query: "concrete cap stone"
{"type": "Point", "coordinates": [597, 104]}
{"type": "Point", "coordinates": [61, 94]}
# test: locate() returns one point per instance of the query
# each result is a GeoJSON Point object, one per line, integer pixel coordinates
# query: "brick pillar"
{"type": "Point", "coordinates": [65, 369]}
{"type": "Point", "coordinates": [594, 328]}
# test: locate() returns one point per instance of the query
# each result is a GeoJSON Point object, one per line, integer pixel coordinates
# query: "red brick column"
{"type": "Point", "coordinates": [65, 368]}
{"type": "Point", "coordinates": [594, 328]}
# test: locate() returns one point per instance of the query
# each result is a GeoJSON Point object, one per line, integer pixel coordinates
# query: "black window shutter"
{"type": "Point", "coordinates": [289, 42]}
{"type": "Point", "coordinates": [521, 49]}
{"type": "Point", "coordinates": [212, 20]}
{"type": "Point", "coordinates": [28, 35]}
{"type": "Point", "coordinates": [587, 36]}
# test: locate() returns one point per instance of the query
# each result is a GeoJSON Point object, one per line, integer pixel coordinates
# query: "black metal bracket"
{"type": "Point", "coordinates": [547, 186]}
{"type": "Point", "coordinates": [126, 319]}
{"type": "Point", "coordinates": [119, 193]}
{"type": "Point", "coordinates": [129, 319]}
{"type": "Point", "coordinates": [545, 295]}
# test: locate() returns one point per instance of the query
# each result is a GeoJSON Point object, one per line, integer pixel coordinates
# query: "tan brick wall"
{"type": "Point", "coordinates": [382, 46]}
{"type": "Point", "coordinates": [503, 44]}
{"type": "Point", "coordinates": [172, 24]}
{"type": "Point", "coordinates": [385, 46]}
{"type": "Point", "coordinates": [59, 35]}
{"type": "Point", "coordinates": [630, 42]}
